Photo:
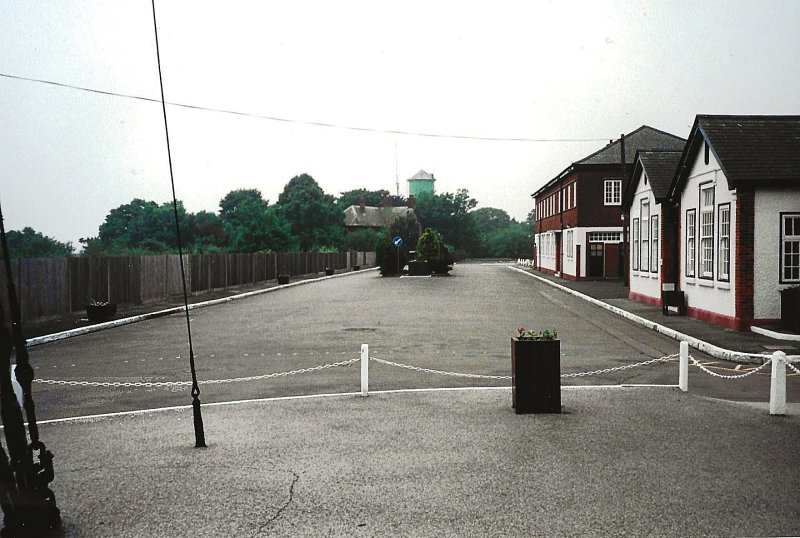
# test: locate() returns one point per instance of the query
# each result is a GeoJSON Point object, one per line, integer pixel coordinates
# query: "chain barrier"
{"type": "Point", "coordinates": [482, 376]}
{"type": "Point", "coordinates": [790, 365]}
{"type": "Point", "coordinates": [723, 376]}
{"type": "Point", "coordinates": [165, 384]}
{"type": "Point", "coordinates": [441, 372]}
{"type": "Point", "coordinates": [624, 367]}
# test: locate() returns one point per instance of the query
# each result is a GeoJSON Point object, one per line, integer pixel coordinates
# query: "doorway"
{"type": "Point", "coordinates": [596, 261]}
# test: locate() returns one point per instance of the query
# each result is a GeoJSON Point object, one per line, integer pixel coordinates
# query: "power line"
{"type": "Point", "coordinates": [300, 122]}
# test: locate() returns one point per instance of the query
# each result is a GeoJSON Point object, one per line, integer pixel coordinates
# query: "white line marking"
{"type": "Point", "coordinates": [324, 395]}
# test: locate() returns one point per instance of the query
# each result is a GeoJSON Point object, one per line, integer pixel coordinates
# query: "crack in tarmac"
{"type": "Point", "coordinates": [282, 508]}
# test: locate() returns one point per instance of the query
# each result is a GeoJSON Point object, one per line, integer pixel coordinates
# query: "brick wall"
{"type": "Point", "coordinates": [744, 252]}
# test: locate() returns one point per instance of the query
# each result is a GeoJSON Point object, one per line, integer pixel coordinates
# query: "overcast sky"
{"type": "Point", "coordinates": [549, 71]}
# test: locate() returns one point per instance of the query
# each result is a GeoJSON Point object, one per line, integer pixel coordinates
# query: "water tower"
{"type": "Point", "coordinates": [420, 182]}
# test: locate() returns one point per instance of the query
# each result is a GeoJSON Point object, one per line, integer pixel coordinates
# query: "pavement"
{"type": "Point", "coordinates": [618, 461]}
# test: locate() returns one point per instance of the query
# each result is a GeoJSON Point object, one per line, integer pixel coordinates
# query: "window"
{"type": "Point", "coordinates": [569, 244]}
{"type": "Point", "coordinates": [790, 247]}
{"type": "Point", "coordinates": [635, 244]}
{"type": "Point", "coordinates": [707, 231]}
{"type": "Point", "coordinates": [690, 242]}
{"type": "Point", "coordinates": [654, 244]}
{"type": "Point", "coordinates": [613, 192]}
{"type": "Point", "coordinates": [605, 237]}
{"type": "Point", "coordinates": [724, 245]}
{"type": "Point", "coordinates": [644, 233]}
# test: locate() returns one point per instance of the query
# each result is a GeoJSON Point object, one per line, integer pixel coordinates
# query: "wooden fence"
{"type": "Point", "coordinates": [49, 287]}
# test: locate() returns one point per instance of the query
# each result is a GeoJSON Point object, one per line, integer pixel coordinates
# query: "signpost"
{"type": "Point", "coordinates": [398, 242]}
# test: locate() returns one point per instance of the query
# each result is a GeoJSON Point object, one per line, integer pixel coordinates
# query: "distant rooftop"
{"type": "Point", "coordinates": [374, 217]}
{"type": "Point", "coordinates": [422, 175]}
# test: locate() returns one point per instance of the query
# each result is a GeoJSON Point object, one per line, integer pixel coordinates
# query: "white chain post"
{"type": "Point", "coordinates": [364, 369]}
{"type": "Point", "coordinates": [777, 386]}
{"type": "Point", "coordinates": [683, 372]}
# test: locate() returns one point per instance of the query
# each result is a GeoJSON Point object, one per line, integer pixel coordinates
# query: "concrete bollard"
{"type": "Point", "coordinates": [364, 369]}
{"type": "Point", "coordinates": [777, 385]}
{"type": "Point", "coordinates": [683, 371]}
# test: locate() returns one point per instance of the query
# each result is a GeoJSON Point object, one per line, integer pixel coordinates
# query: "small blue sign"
{"type": "Point", "coordinates": [398, 241]}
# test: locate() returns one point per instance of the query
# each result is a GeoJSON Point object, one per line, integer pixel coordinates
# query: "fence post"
{"type": "Point", "coordinates": [777, 385]}
{"type": "Point", "coordinates": [683, 372]}
{"type": "Point", "coordinates": [364, 369]}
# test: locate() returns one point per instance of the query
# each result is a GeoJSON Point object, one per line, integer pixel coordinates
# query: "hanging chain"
{"type": "Point", "coordinates": [440, 372]}
{"type": "Point", "coordinates": [167, 384]}
{"type": "Point", "coordinates": [624, 367]}
{"type": "Point", "coordinates": [723, 376]}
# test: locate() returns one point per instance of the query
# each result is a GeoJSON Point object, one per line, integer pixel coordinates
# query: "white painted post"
{"type": "Point", "coordinates": [777, 386]}
{"type": "Point", "coordinates": [683, 371]}
{"type": "Point", "coordinates": [364, 369]}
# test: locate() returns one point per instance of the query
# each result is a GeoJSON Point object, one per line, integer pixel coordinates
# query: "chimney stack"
{"type": "Point", "coordinates": [386, 201]}
{"type": "Point", "coordinates": [362, 204]}
{"type": "Point", "coordinates": [412, 202]}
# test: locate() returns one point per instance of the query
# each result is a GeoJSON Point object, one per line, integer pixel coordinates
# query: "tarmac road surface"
{"type": "Point", "coordinates": [462, 323]}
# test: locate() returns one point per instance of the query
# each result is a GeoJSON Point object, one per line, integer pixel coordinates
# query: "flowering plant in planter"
{"type": "Point", "coordinates": [544, 334]}
{"type": "Point", "coordinates": [536, 372]}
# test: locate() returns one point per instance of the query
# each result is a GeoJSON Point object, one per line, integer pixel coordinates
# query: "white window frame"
{"type": "Point", "coordinates": [724, 243]}
{"type": "Point", "coordinates": [654, 254]}
{"type": "Point", "coordinates": [790, 248]}
{"type": "Point", "coordinates": [644, 233]}
{"type": "Point", "coordinates": [612, 192]}
{"type": "Point", "coordinates": [691, 242]}
{"type": "Point", "coordinates": [707, 214]}
{"type": "Point", "coordinates": [635, 244]}
{"type": "Point", "coordinates": [570, 244]}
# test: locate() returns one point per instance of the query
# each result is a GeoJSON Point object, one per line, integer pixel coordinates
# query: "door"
{"type": "Point", "coordinates": [596, 260]}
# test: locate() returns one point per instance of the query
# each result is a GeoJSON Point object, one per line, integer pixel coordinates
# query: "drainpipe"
{"type": "Point", "coordinates": [624, 183]}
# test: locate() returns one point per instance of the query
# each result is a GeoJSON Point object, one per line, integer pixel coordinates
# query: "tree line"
{"type": "Point", "coordinates": [303, 219]}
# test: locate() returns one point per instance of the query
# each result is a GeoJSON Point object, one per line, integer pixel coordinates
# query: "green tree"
{"type": "Point", "coordinates": [371, 198]}
{"type": "Point", "coordinates": [208, 232]}
{"type": "Point", "coordinates": [315, 219]}
{"type": "Point", "coordinates": [429, 246]}
{"type": "Point", "coordinates": [490, 220]}
{"type": "Point", "coordinates": [449, 214]}
{"type": "Point", "coordinates": [259, 229]}
{"type": "Point", "coordinates": [28, 243]}
{"type": "Point", "coordinates": [514, 241]}
{"type": "Point", "coordinates": [143, 227]}
{"type": "Point", "coordinates": [230, 203]}
{"type": "Point", "coordinates": [362, 240]}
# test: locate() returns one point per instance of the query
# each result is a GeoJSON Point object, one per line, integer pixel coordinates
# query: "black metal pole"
{"type": "Point", "coordinates": [31, 504]}
{"type": "Point", "coordinates": [199, 432]}
{"type": "Point", "coordinates": [623, 188]}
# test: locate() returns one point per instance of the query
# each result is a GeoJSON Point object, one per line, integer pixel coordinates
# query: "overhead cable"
{"type": "Point", "coordinates": [301, 122]}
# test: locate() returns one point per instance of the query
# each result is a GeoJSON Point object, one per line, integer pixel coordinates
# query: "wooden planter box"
{"type": "Point", "coordinates": [790, 309]}
{"type": "Point", "coordinates": [283, 279]}
{"type": "Point", "coordinates": [329, 271]}
{"type": "Point", "coordinates": [535, 376]}
{"type": "Point", "coordinates": [99, 313]}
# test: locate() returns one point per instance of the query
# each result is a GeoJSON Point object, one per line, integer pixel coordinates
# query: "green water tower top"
{"type": "Point", "coordinates": [420, 182]}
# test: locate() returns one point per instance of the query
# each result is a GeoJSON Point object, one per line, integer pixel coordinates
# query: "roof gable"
{"type": "Point", "coordinates": [422, 175]}
{"type": "Point", "coordinates": [643, 137]}
{"type": "Point", "coordinates": [751, 150]}
{"type": "Point", "coordinates": [660, 166]}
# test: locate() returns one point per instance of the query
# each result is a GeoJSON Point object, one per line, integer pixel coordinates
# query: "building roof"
{"type": "Point", "coordinates": [660, 166]}
{"type": "Point", "coordinates": [751, 150]}
{"type": "Point", "coordinates": [374, 217]}
{"type": "Point", "coordinates": [643, 137]}
{"type": "Point", "coordinates": [422, 175]}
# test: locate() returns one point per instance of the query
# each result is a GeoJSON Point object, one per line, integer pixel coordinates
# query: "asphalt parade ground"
{"type": "Point", "coordinates": [424, 454]}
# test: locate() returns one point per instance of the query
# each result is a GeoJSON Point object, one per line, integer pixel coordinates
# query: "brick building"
{"type": "Point", "coordinates": [578, 227]}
